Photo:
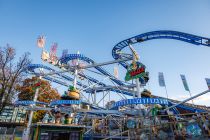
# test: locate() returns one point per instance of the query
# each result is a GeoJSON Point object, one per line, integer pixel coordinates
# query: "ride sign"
{"type": "Point", "coordinates": [141, 101]}
{"type": "Point", "coordinates": [136, 70]}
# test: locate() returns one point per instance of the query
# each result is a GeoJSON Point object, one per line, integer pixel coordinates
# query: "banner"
{"type": "Point", "coordinates": [161, 79]}
{"type": "Point", "coordinates": [141, 101]}
{"type": "Point", "coordinates": [62, 102]}
{"type": "Point", "coordinates": [208, 82]}
{"type": "Point", "coordinates": [184, 81]}
{"type": "Point", "coordinates": [26, 102]}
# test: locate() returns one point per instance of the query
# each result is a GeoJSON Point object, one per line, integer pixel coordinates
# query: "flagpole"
{"type": "Point", "coordinates": [184, 81]}
{"type": "Point", "coordinates": [162, 82]}
{"type": "Point", "coordinates": [191, 97]}
{"type": "Point", "coordinates": [166, 92]}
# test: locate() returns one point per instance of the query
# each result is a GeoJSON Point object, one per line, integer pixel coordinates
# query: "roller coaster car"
{"type": "Point", "coordinates": [73, 94]}
{"type": "Point", "coordinates": [85, 106]}
{"type": "Point", "coordinates": [146, 94]}
{"type": "Point", "coordinates": [139, 40]}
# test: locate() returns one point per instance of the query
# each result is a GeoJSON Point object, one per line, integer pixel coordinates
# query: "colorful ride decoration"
{"type": "Point", "coordinates": [45, 55]}
{"type": "Point", "coordinates": [50, 56]}
{"type": "Point", "coordinates": [194, 130]}
{"type": "Point", "coordinates": [137, 70]}
{"type": "Point", "coordinates": [155, 110]}
{"type": "Point", "coordinates": [131, 124]}
{"type": "Point", "coordinates": [71, 94]}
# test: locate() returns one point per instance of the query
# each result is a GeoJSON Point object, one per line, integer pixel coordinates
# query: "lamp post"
{"type": "Point", "coordinates": [27, 130]}
{"type": "Point", "coordinates": [76, 73]}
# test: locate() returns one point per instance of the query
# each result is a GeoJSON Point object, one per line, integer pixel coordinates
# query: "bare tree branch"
{"type": "Point", "coordinates": [11, 73]}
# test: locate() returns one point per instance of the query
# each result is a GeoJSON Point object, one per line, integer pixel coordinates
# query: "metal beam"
{"type": "Point", "coordinates": [193, 97]}
{"type": "Point", "coordinates": [100, 111]}
{"type": "Point", "coordinates": [115, 87]}
{"type": "Point", "coordinates": [104, 63]}
{"type": "Point", "coordinates": [88, 66]}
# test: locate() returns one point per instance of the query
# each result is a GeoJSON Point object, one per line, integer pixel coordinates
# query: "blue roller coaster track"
{"type": "Point", "coordinates": [31, 69]}
{"type": "Point", "coordinates": [164, 34]}
{"type": "Point", "coordinates": [69, 57]}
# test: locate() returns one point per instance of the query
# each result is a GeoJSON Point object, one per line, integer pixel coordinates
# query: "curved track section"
{"type": "Point", "coordinates": [31, 69]}
{"type": "Point", "coordinates": [162, 34]}
{"type": "Point", "coordinates": [69, 57]}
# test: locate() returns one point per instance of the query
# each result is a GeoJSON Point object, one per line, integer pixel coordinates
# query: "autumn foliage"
{"type": "Point", "coordinates": [46, 93]}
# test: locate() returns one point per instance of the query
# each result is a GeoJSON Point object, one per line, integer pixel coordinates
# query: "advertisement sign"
{"type": "Point", "coordinates": [136, 70]}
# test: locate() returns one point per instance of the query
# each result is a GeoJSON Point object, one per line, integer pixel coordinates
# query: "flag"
{"type": "Point", "coordinates": [53, 48]}
{"type": "Point", "coordinates": [116, 72]}
{"type": "Point", "coordinates": [184, 81]}
{"type": "Point", "coordinates": [208, 82]}
{"type": "Point", "coordinates": [161, 79]}
{"type": "Point", "coordinates": [41, 41]}
{"type": "Point", "coordinates": [53, 51]}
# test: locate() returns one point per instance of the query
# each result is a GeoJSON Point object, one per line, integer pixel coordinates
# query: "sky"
{"type": "Point", "coordinates": [93, 27]}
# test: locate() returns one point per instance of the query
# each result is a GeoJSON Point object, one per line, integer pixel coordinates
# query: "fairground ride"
{"type": "Point", "coordinates": [117, 118]}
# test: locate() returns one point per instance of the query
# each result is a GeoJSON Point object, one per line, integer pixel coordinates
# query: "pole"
{"type": "Point", "coordinates": [138, 94]}
{"type": "Point", "coordinates": [95, 97]}
{"type": "Point", "coordinates": [191, 97]}
{"type": "Point", "coordinates": [103, 98]}
{"type": "Point", "coordinates": [27, 132]}
{"type": "Point", "coordinates": [76, 73]}
{"type": "Point", "coordinates": [166, 94]}
{"type": "Point", "coordinates": [138, 88]}
{"type": "Point", "coordinates": [166, 91]}
{"type": "Point", "coordinates": [188, 99]}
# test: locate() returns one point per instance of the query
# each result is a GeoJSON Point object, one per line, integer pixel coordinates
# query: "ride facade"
{"type": "Point", "coordinates": [138, 115]}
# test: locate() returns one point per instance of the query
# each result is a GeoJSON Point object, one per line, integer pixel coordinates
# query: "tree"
{"type": "Point", "coordinates": [11, 74]}
{"type": "Point", "coordinates": [46, 93]}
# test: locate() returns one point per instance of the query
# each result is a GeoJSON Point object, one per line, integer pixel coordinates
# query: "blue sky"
{"type": "Point", "coordinates": [93, 27]}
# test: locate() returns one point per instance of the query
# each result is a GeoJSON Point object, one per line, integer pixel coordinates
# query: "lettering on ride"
{"type": "Point", "coordinates": [141, 101]}
{"type": "Point", "coordinates": [137, 71]}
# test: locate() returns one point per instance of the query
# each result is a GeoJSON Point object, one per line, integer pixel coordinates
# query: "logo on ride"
{"type": "Point", "coordinates": [136, 70]}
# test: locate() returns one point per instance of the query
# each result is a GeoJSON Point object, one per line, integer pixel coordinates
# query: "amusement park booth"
{"type": "Point", "coordinates": [56, 132]}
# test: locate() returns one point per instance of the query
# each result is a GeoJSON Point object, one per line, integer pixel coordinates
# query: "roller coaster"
{"type": "Point", "coordinates": [126, 90]}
